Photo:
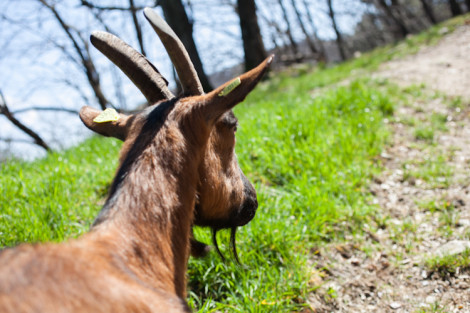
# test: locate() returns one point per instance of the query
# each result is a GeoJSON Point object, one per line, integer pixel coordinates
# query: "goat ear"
{"type": "Point", "coordinates": [233, 92]}
{"type": "Point", "coordinates": [116, 129]}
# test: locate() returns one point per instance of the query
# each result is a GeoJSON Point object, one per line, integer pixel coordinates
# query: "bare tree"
{"type": "Point", "coordinates": [132, 9]}
{"type": "Point", "coordinates": [176, 17]}
{"type": "Point", "coordinates": [314, 30]}
{"type": "Point", "coordinates": [293, 44]}
{"type": "Point", "coordinates": [252, 42]}
{"type": "Point", "coordinates": [138, 30]}
{"type": "Point", "coordinates": [398, 25]}
{"type": "Point", "coordinates": [68, 38]}
{"type": "Point", "coordinates": [339, 37]}
{"type": "Point", "coordinates": [82, 54]}
{"type": "Point", "coordinates": [369, 32]}
{"type": "Point", "coordinates": [9, 115]}
{"type": "Point", "coordinates": [455, 8]}
{"type": "Point", "coordinates": [428, 10]}
{"type": "Point", "coordinates": [276, 33]}
{"type": "Point", "coordinates": [310, 42]}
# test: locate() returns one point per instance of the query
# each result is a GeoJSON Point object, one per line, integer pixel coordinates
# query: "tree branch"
{"type": "Point", "coordinates": [86, 60]}
{"type": "Point", "coordinates": [8, 140]}
{"type": "Point", "coordinates": [108, 8]}
{"type": "Point", "coordinates": [5, 111]}
{"type": "Point", "coordinates": [138, 30]}
{"type": "Point", "coordinates": [45, 109]}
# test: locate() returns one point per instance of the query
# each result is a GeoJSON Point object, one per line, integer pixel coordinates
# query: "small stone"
{"type": "Point", "coordinates": [463, 222]}
{"type": "Point", "coordinates": [395, 305]}
{"type": "Point", "coordinates": [424, 274]}
{"type": "Point", "coordinates": [443, 31]}
{"type": "Point", "coordinates": [430, 299]}
{"type": "Point", "coordinates": [458, 203]}
{"type": "Point", "coordinates": [453, 247]}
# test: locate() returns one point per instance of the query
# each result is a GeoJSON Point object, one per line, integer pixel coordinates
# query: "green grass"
{"type": "Point", "coordinates": [449, 265]}
{"type": "Point", "coordinates": [310, 159]}
{"type": "Point", "coordinates": [424, 133]}
{"type": "Point", "coordinates": [310, 154]}
{"type": "Point", "coordinates": [55, 197]}
{"type": "Point", "coordinates": [435, 307]}
{"type": "Point", "coordinates": [435, 171]}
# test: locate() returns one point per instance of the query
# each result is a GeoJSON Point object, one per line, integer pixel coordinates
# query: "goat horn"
{"type": "Point", "coordinates": [136, 66]}
{"type": "Point", "coordinates": [177, 52]}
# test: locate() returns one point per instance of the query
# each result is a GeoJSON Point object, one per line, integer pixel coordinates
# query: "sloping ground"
{"type": "Point", "coordinates": [423, 195]}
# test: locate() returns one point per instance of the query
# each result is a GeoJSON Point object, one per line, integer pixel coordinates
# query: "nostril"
{"type": "Point", "coordinates": [247, 211]}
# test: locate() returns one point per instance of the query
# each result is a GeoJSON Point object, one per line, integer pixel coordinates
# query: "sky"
{"type": "Point", "coordinates": [34, 71]}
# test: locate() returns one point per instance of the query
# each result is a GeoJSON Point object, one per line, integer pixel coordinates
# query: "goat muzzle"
{"type": "Point", "coordinates": [247, 210]}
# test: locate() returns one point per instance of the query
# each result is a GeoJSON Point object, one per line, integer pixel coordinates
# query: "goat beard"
{"type": "Point", "coordinates": [233, 246]}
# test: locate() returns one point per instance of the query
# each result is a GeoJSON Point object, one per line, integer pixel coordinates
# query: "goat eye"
{"type": "Point", "coordinates": [235, 128]}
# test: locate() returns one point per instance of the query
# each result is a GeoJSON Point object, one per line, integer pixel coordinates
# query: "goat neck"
{"type": "Point", "coordinates": [149, 210]}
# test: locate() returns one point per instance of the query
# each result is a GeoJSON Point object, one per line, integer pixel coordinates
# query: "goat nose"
{"type": "Point", "coordinates": [247, 211]}
{"type": "Point", "coordinates": [250, 204]}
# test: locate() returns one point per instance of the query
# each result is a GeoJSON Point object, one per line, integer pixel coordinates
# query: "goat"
{"type": "Point", "coordinates": [219, 161]}
{"type": "Point", "coordinates": [134, 257]}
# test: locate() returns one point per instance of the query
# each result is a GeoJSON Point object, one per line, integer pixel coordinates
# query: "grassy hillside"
{"type": "Point", "coordinates": [310, 154]}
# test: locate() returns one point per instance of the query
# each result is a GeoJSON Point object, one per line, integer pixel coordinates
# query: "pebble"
{"type": "Point", "coordinates": [452, 248]}
{"type": "Point", "coordinates": [430, 299]}
{"type": "Point", "coordinates": [395, 305]}
{"type": "Point", "coordinates": [463, 222]}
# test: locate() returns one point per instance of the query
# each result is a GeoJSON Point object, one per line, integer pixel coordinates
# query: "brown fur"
{"type": "Point", "coordinates": [134, 257]}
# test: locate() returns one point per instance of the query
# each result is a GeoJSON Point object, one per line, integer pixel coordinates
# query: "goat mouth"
{"type": "Point", "coordinates": [233, 246]}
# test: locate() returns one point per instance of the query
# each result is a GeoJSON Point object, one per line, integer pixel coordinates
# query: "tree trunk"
{"type": "Point", "coordinates": [310, 42]}
{"type": "Point", "coordinates": [427, 8]}
{"type": "Point", "coordinates": [339, 37]}
{"type": "Point", "coordinates": [294, 46]}
{"type": "Point", "coordinates": [176, 17]}
{"type": "Point", "coordinates": [403, 31]}
{"type": "Point", "coordinates": [467, 2]}
{"type": "Point", "coordinates": [455, 8]}
{"type": "Point", "coordinates": [322, 56]}
{"type": "Point", "coordinates": [252, 42]}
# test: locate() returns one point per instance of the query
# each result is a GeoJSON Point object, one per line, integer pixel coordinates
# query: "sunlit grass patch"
{"type": "Point", "coordinates": [435, 171]}
{"type": "Point", "coordinates": [311, 159]}
{"type": "Point", "coordinates": [424, 133]}
{"type": "Point", "coordinates": [56, 197]}
{"type": "Point", "coordinates": [449, 265]}
{"type": "Point", "coordinates": [434, 307]}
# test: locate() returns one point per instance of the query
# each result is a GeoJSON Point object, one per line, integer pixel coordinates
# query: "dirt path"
{"type": "Point", "coordinates": [424, 195]}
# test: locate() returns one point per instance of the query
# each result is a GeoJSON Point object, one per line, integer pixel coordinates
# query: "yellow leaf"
{"type": "Point", "coordinates": [264, 302]}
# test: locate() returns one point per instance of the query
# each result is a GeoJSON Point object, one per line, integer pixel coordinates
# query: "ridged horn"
{"type": "Point", "coordinates": [177, 52]}
{"type": "Point", "coordinates": [137, 67]}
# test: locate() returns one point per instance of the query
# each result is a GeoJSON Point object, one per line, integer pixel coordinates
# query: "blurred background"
{"type": "Point", "coordinates": [49, 70]}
